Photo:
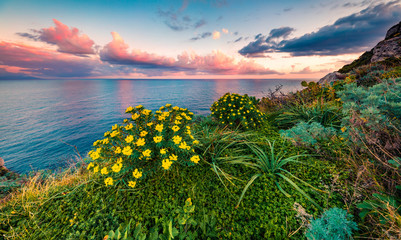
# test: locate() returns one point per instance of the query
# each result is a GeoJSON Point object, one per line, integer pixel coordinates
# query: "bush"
{"type": "Point", "coordinates": [146, 143]}
{"type": "Point", "coordinates": [328, 115]}
{"type": "Point", "coordinates": [394, 73]}
{"type": "Point", "coordinates": [234, 110]}
{"type": "Point", "coordinates": [308, 133]}
{"type": "Point", "coordinates": [372, 116]}
{"type": "Point", "coordinates": [334, 224]}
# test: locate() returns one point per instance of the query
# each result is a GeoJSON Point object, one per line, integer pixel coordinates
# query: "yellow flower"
{"type": "Point", "coordinates": [127, 150]}
{"type": "Point", "coordinates": [175, 128]}
{"type": "Point", "coordinates": [177, 122]}
{"type": "Point", "coordinates": [135, 116]}
{"type": "Point", "coordinates": [118, 150]}
{"type": "Point", "coordinates": [125, 120]}
{"type": "Point", "coordinates": [140, 142]}
{"type": "Point", "coordinates": [95, 155]}
{"type": "Point", "coordinates": [108, 181]}
{"type": "Point", "coordinates": [120, 160]}
{"type": "Point", "coordinates": [104, 171]}
{"type": "Point", "coordinates": [131, 184]}
{"type": "Point", "coordinates": [106, 133]}
{"type": "Point", "coordinates": [166, 164]}
{"type": "Point", "coordinates": [188, 118]}
{"type": "Point", "coordinates": [173, 157]}
{"type": "Point", "coordinates": [195, 159]}
{"type": "Point", "coordinates": [129, 109]}
{"type": "Point", "coordinates": [146, 153]}
{"type": "Point", "coordinates": [343, 129]}
{"type": "Point", "coordinates": [168, 105]}
{"type": "Point", "coordinates": [91, 164]}
{"type": "Point", "coordinates": [95, 143]}
{"type": "Point", "coordinates": [149, 124]}
{"type": "Point", "coordinates": [116, 167]}
{"type": "Point", "coordinates": [195, 142]}
{"type": "Point", "coordinates": [129, 138]}
{"type": "Point", "coordinates": [129, 126]}
{"type": "Point", "coordinates": [159, 127]}
{"type": "Point", "coordinates": [188, 202]}
{"type": "Point", "coordinates": [139, 106]}
{"type": "Point", "coordinates": [146, 112]}
{"type": "Point", "coordinates": [176, 108]}
{"type": "Point", "coordinates": [177, 139]}
{"type": "Point", "coordinates": [163, 151]}
{"type": "Point", "coordinates": [183, 145]}
{"type": "Point", "coordinates": [114, 127]}
{"type": "Point", "coordinates": [157, 139]}
{"type": "Point", "coordinates": [136, 173]}
{"type": "Point", "coordinates": [179, 118]}
{"type": "Point", "coordinates": [161, 118]}
{"type": "Point", "coordinates": [143, 133]}
{"type": "Point", "coordinates": [188, 132]}
{"type": "Point", "coordinates": [188, 127]}
{"type": "Point", "coordinates": [114, 133]}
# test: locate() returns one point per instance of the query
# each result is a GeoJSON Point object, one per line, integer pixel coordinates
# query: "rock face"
{"type": "Point", "coordinates": [394, 31]}
{"type": "Point", "coordinates": [390, 46]}
{"type": "Point", "coordinates": [331, 77]}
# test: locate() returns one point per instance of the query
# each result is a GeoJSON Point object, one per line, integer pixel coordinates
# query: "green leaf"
{"type": "Point", "coordinates": [253, 178]}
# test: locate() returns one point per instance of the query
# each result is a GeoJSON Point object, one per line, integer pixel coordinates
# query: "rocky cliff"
{"type": "Point", "coordinates": [389, 47]}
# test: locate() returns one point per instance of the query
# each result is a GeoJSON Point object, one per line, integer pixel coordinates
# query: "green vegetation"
{"type": "Point", "coordinates": [364, 59]}
{"type": "Point", "coordinates": [294, 166]}
{"type": "Point", "coordinates": [237, 111]}
{"type": "Point", "coordinates": [332, 225]}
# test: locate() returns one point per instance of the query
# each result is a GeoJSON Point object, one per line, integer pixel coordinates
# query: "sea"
{"type": "Point", "coordinates": [44, 124]}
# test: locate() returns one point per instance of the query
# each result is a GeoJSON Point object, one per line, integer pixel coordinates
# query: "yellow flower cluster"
{"type": "Point", "coordinates": [236, 110]}
{"type": "Point", "coordinates": [146, 141]}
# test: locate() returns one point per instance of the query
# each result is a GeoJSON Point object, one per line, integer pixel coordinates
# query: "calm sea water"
{"type": "Point", "coordinates": [37, 116]}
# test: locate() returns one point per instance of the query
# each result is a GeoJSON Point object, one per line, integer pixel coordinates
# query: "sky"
{"type": "Point", "coordinates": [198, 39]}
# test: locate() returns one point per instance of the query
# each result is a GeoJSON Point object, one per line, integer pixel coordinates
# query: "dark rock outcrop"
{"type": "Point", "coordinates": [394, 31]}
{"type": "Point", "coordinates": [390, 46]}
{"type": "Point", "coordinates": [332, 77]}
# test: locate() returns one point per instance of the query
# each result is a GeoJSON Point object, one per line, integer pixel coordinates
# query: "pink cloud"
{"type": "Point", "coordinates": [42, 63]}
{"type": "Point", "coordinates": [219, 63]}
{"type": "Point", "coordinates": [67, 39]}
{"type": "Point", "coordinates": [117, 52]}
{"type": "Point", "coordinates": [216, 35]}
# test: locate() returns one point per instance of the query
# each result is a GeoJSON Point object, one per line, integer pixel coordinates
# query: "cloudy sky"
{"type": "Point", "coordinates": [187, 38]}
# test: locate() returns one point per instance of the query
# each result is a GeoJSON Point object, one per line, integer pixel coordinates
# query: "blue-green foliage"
{"type": "Point", "coordinates": [334, 224]}
{"type": "Point", "coordinates": [376, 106]}
{"type": "Point", "coordinates": [308, 133]}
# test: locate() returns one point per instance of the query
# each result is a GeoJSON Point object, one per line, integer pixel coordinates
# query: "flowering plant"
{"type": "Point", "coordinates": [236, 110]}
{"type": "Point", "coordinates": [145, 143]}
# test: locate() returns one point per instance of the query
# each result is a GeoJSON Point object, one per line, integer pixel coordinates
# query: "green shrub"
{"type": "Point", "coordinates": [234, 110]}
{"type": "Point", "coordinates": [272, 163]}
{"type": "Point", "coordinates": [328, 115]}
{"type": "Point", "coordinates": [146, 143]}
{"type": "Point", "coordinates": [393, 73]}
{"type": "Point", "coordinates": [179, 224]}
{"type": "Point", "coordinates": [308, 133]}
{"type": "Point", "coordinates": [372, 116]}
{"type": "Point", "coordinates": [334, 224]}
